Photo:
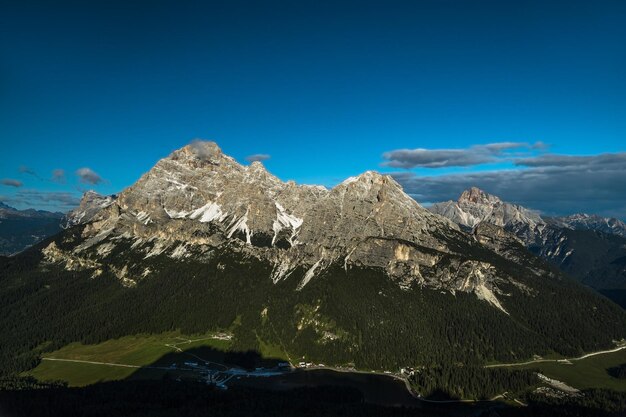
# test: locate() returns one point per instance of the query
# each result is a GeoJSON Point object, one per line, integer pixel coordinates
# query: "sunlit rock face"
{"type": "Point", "coordinates": [475, 206]}
{"type": "Point", "coordinates": [198, 199]}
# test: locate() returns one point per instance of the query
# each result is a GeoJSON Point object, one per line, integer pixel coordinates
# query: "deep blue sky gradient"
{"type": "Point", "coordinates": [324, 87]}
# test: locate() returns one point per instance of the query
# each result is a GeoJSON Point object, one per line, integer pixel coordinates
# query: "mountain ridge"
{"type": "Point", "coordinates": [589, 247]}
{"type": "Point", "coordinates": [313, 224]}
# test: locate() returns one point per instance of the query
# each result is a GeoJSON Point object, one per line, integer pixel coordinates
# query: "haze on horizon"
{"type": "Point", "coordinates": [526, 100]}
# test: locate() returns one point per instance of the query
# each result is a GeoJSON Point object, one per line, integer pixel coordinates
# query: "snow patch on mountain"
{"type": "Point", "coordinates": [241, 225]}
{"type": "Point", "coordinates": [208, 213]}
{"type": "Point", "coordinates": [285, 220]}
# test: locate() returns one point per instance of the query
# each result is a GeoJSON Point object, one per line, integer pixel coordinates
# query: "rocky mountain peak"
{"type": "Point", "coordinates": [475, 206]}
{"type": "Point", "coordinates": [90, 195]}
{"type": "Point", "coordinates": [370, 180]}
{"type": "Point", "coordinates": [257, 166]}
{"type": "Point", "coordinates": [477, 196]}
{"type": "Point", "coordinates": [90, 205]}
{"type": "Point", "coordinates": [380, 190]}
{"type": "Point", "coordinates": [202, 154]}
{"type": "Point", "coordinates": [366, 177]}
{"type": "Point", "coordinates": [257, 172]}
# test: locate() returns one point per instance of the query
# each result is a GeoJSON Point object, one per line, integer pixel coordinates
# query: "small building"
{"type": "Point", "coordinates": [407, 371]}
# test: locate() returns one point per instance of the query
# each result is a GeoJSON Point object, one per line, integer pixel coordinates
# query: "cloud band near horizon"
{"type": "Point", "coordinates": [552, 183]}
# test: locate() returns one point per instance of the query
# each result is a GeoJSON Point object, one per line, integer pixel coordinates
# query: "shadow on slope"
{"type": "Point", "coordinates": [250, 370]}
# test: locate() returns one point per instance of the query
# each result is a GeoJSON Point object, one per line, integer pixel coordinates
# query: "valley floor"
{"type": "Point", "coordinates": [202, 357]}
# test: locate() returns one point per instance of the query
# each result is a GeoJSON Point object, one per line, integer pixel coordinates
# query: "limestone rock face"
{"type": "Point", "coordinates": [198, 199]}
{"type": "Point", "coordinates": [90, 205]}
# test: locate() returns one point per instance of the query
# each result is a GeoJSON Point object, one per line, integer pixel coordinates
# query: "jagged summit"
{"type": "Point", "coordinates": [90, 205]}
{"type": "Point", "coordinates": [200, 182]}
{"type": "Point", "coordinates": [367, 176]}
{"type": "Point", "coordinates": [257, 166]}
{"type": "Point", "coordinates": [475, 206]}
{"type": "Point", "coordinates": [201, 152]}
{"type": "Point", "coordinates": [476, 195]}
{"type": "Point", "coordinates": [563, 241]}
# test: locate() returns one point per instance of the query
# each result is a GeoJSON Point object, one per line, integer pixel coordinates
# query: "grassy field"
{"type": "Point", "coordinates": [269, 350]}
{"type": "Point", "coordinates": [585, 373]}
{"type": "Point", "coordinates": [140, 350]}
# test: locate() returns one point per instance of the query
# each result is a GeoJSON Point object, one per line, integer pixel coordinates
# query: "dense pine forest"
{"type": "Point", "coordinates": [449, 381]}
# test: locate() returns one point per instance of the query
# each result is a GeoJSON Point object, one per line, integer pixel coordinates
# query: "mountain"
{"type": "Point", "coordinates": [196, 198]}
{"type": "Point", "coordinates": [199, 198]}
{"type": "Point", "coordinates": [359, 274]}
{"type": "Point", "coordinates": [590, 248]}
{"type": "Point", "coordinates": [475, 206]}
{"type": "Point", "coordinates": [20, 229]}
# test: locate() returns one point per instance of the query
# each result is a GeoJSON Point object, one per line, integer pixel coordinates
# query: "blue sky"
{"type": "Point", "coordinates": [326, 88]}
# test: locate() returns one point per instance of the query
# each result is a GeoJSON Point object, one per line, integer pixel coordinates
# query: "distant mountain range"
{"type": "Point", "coordinates": [588, 247]}
{"type": "Point", "coordinates": [359, 274]}
{"type": "Point", "coordinates": [591, 222]}
{"type": "Point", "coordinates": [20, 229]}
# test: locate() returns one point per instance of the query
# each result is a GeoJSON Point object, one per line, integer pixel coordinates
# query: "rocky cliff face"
{"type": "Point", "coordinates": [198, 199]}
{"type": "Point", "coordinates": [89, 206]}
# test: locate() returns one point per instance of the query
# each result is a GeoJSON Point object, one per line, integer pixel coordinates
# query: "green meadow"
{"type": "Point", "coordinates": [585, 373]}
{"type": "Point", "coordinates": [140, 350]}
